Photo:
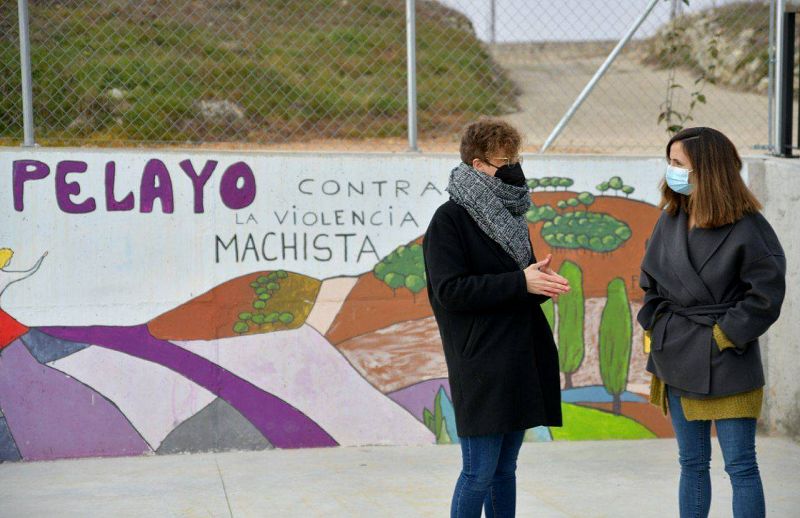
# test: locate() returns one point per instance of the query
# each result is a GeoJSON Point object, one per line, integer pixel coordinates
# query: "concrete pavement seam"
{"type": "Point", "coordinates": [224, 489]}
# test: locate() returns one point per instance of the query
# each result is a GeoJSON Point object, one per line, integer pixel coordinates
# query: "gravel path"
{"type": "Point", "coordinates": [620, 115]}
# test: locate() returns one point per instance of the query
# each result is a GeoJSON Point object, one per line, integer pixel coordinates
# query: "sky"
{"type": "Point", "coordinates": [568, 20]}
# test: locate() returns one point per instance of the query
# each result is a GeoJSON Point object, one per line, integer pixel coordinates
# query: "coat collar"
{"type": "Point", "coordinates": [676, 241]}
{"type": "Point", "coordinates": [717, 237]}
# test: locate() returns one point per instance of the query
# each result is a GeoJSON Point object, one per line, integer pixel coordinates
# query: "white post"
{"type": "Point", "coordinates": [492, 22]}
{"type": "Point", "coordinates": [411, 42]}
{"type": "Point", "coordinates": [771, 80]}
{"type": "Point", "coordinates": [27, 84]}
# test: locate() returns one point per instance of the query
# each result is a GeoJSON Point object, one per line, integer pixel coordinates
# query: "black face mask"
{"type": "Point", "coordinates": [511, 174]}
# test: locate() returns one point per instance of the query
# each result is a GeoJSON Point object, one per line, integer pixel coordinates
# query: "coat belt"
{"type": "Point", "coordinates": [704, 315]}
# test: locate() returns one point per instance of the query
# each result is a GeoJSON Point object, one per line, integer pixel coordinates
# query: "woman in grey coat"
{"type": "Point", "coordinates": [714, 281]}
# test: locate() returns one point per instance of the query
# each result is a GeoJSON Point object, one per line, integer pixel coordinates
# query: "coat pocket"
{"type": "Point", "coordinates": [471, 343]}
{"type": "Point", "coordinates": [658, 333]}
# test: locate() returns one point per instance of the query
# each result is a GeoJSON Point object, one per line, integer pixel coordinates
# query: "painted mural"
{"type": "Point", "coordinates": [280, 357]}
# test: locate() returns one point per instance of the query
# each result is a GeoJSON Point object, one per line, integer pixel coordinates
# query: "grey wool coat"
{"type": "Point", "coordinates": [739, 284]}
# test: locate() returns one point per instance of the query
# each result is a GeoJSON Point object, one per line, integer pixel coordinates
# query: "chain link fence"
{"type": "Point", "coordinates": [705, 64]}
{"type": "Point", "coordinates": [332, 74]}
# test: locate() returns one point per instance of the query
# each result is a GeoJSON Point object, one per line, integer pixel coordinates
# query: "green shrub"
{"type": "Point", "coordinates": [241, 327]}
{"type": "Point", "coordinates": [593, 231]}
{"type": "Point", "coordinates": [403, 267]}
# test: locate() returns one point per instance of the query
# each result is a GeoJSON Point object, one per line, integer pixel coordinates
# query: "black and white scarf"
{"type": "Point", "coordinates": [498, 209]}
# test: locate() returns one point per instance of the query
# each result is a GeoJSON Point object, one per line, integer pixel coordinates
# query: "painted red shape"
{"type": "Point", "coordinates": [10, 329]}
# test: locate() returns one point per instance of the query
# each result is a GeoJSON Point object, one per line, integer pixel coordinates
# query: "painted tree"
{"type": "Point", "coordinates": [628, 190]}
{"type": "Point", "coordinates": [403, 268]}
{"type": "Point", "coordinates": [615, 182]}
{"type": "Point", "coordinates": [427, 418]}
{"type": "Point", "coordinates": [394, 281]}
{"type": "Point", "coordinates": [623, 232]}
{"type": "Point", "coordinates": [566, 183]}
{"type": "Point", "coordinates": [415, 284]}
{"type": "Point", "coordinates": [570, 322]}
{"type": "Point", "coordinates": [616, 334]}
{"type": "Point", "coordinates": [546, 212]}
{"type": "Point", "coordinates": [540, 213]}
{"type": "Point", "coordinates": [586, 198]}
{"type": "Point", "coordinates": [602, 187]}
{"type": "Point", "coordinates": [594, 231]}
{"type": "Point", "coordinates": [549, 309]}
{"type": "Point", "coordinates": [241, 327]}
{"type": "Point", "coordinates": [439, 425]}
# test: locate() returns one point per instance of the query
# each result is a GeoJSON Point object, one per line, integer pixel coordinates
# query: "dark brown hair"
{"type": "Point", "coordinates": [488, 136]}
{"type": "Point", "coordinates": [720, 196]}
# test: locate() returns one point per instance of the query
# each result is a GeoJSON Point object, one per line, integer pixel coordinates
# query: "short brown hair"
{"type": "Point", "coordinates": [488, 136]}
{"type": "Point", "coordinates": [720, 196]}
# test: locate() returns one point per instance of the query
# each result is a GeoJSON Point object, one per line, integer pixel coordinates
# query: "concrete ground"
{"type": "Point", "coordinates": [559, 479]}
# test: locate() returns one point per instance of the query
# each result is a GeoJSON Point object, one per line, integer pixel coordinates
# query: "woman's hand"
{"type": "Point", "coordinates": [542, 280]}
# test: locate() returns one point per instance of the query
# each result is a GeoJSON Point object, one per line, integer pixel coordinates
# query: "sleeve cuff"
{"type": "Point", "coordinates": [722, 340]}
{"type": "Point", "coordinates": [523, 284]}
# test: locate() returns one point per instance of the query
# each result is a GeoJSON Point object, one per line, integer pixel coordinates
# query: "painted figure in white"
{"type": "Point", "coordinates": [9, 277]}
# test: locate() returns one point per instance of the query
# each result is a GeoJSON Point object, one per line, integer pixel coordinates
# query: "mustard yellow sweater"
{"type": "Point", "coordinates": [746, 404]}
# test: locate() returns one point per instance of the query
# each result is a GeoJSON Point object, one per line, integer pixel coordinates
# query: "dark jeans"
{"type": "Point", "coordinates": [488, 477]}
{"type": "Point", "coordinates": [737, 438]}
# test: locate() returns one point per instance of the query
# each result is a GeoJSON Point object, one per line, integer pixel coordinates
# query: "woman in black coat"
{"type": "Point", "coordinates": [485, 287]}
{"type": "Point", "coordinates": [714, 281]}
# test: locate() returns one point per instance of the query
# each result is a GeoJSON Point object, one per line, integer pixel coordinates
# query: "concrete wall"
{"type": "Point", "coordinates": [776, 182]}
{"type": "Point", "coordinates": [206, 300]}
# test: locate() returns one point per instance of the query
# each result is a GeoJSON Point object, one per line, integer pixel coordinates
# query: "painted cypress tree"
{"type": "Point", "coordinates": [616, 334]}
{"type": "Point", "coordinates": [440, 428]}
{"type": "Point", "coordinates": [570, 322]}
{"type": "Point", "coordinates": [550, 313]}
{"type": "Point", "coordinates": [427, 417]}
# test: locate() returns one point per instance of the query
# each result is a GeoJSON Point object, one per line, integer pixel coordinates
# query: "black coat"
{"type": "Point", "coordinates": [501, 357]}
{"type": "Point", "coordinates": [739, 284]}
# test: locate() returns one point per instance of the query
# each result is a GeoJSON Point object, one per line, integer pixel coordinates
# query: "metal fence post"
{"type": "Point", "coordinates": [27, 84]}
{"type": "Point", "coordinates": [771, 79]}
{"type": "Point", "coordinates": [492, 22]}
{"type": "Point", "coordinates": [784, 75]}
{"type": "Point", "coordinates": [778, 84]}
{"type": "Point", "coordinates": [411, 46]}
{"type": "Point", "coordinates": [597, 75]}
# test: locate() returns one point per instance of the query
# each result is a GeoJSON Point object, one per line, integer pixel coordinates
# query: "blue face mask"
{"type": "Point", "coordinates": [678, 180]}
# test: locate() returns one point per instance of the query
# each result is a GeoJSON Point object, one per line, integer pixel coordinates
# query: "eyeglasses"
{"type": "Point", "coordinates": [504, 161]}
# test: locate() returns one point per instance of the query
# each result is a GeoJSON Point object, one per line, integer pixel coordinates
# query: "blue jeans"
{"type": "Point", "coordinates": [737, 439]}
{"type": "Point", "coordinates": [488, 478]}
